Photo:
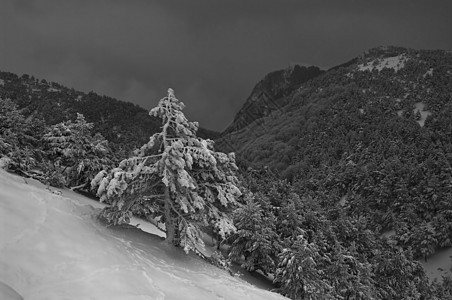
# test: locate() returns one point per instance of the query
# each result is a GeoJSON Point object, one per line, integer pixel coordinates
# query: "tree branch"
{"type": "Point", "coordinates": [77, 187]}
{"type": "Point", "coordinates": [177, 212]}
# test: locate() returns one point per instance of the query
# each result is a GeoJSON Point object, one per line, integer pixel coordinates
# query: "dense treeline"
{"type": "Point", "coordinates": [125, 125]}
{"type": "Point", "coordinates": [318, 251]}
{"type": "Point", "coordinates": [67, 154]}
{"type": "Point", "coordinates": [389, 170]}
{"type": "Point", "coordinates": [358, 135]}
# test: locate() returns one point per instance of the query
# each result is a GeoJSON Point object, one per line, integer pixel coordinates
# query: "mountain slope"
{"type": "Point", "coordinates": [53, 247]}
{"type": "Point", "coordinates": [269, 94]}
{"type": "Point", "coordinates": [396, 78]}
{"type": "Point", "coordinates": [125, 125]}
{"type": "Point", "coordinates": [373, 136]}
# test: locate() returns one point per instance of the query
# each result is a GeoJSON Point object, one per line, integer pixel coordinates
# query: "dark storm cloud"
{"type": "Point", "coordinates": [210, 52]}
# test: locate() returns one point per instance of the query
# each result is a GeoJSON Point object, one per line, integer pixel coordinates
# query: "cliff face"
{"type": "Point", "coordinates": [270, 94]}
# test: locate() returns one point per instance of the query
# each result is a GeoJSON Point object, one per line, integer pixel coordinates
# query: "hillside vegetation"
{"type": "Point", "coordinates": [270, 94]}
{"type": "Point", "coordinates": [125, 125]}
{"type": "Point", "coordinates": [341, 186]}
{"type": "Point", "coordinates": [373, 137]}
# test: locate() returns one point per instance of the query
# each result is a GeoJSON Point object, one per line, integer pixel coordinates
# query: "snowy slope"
{"type": "Point", "coordinates": [52, 247]}
{"type": "Point", "coordinates": [396, 63]}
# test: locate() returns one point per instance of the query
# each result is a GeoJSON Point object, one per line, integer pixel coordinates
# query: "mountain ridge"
{"type": "Point", "coordinates": [125, 125]}
{"type": "Point", "coordinates": [269, 93]}
{"type": "Point", "coordinates": [373, 136]}
{"type": "Point", "coordinates": [375, 65]}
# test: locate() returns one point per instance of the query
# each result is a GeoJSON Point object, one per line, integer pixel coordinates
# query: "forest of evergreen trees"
{"type": "Point", "coordinates": [356, 138]}
{"type": "Point", "coordinates": [316, 184]}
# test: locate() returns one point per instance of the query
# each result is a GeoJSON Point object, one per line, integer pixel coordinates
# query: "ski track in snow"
{"type": "Point", "coordinates": [53, 247]}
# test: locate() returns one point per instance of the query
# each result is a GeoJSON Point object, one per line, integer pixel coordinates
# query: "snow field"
{"type": "Point", "coordinates": [53, 247]}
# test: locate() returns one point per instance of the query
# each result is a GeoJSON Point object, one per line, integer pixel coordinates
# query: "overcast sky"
{"type": "Point", "coordinates": [211, 52]}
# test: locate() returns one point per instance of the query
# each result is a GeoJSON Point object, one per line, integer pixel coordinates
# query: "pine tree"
{"type": "Point", "coordinates": [398, 276]}
{"type": "Point", "coordinates": [11, 122]}
{"type": "Point", "coordinates": [18, 138]}
{"type": "Point", "coordinates": [256, 239]}
{"type": "Point", "coordinates": [298, 273]}
{"type": "Point", "coordinates": [77, 154]}
{"type": "Point", "coordinates": [175, 177]}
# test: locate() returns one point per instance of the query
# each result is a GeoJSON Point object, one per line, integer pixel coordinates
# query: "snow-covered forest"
{"type": "Point", "coordinates": [345, 219]}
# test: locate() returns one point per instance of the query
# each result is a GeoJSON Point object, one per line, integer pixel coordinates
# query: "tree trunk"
{"type": "Point", "coordinates": [171, 224]}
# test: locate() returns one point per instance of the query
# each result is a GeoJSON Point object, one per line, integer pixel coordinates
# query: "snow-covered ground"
{"type": "Point", "coordinates": [439, 264]}
{"type": "Point", "coordinates": [396, 63]}
{"type": "Point", "coordinates": [53, 247]}
{"type": "Point", "coordinates": [419, 107]}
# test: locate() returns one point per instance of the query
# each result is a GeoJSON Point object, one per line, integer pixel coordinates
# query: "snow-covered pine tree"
{"type": "Point", "coordinates": [298, 274]}
{"type": "Point", "coordinates": [77, 154]}
{"type": "Point", "coordinates": [11, 122]}
{"type": "Point", "coordinates": [256, 238]}
{"type": "Point", "coordinates": [175, 177]}
{"type": "Point", "coordinates": [19, 138]}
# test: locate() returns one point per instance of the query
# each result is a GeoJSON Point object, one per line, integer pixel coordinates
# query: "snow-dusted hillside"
{"type": "Point", "coordinates": [52, 247]}
{"type": "Point", "coordinates": [396, 63]}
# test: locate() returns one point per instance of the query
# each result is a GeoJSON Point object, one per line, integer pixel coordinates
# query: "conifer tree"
{"type": "Point", "coordinates": [77, 154]}
{"type": "Point", "coordinates": [255, 239]}
{"type": "Point", "coordinates": [11, 123]}
{"type": "Point", "coordinates": [18, 137]}
{"type": "Point", "coordinates": [298, 272]}
{"type": "Point", "coordinates": [176, 177]}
